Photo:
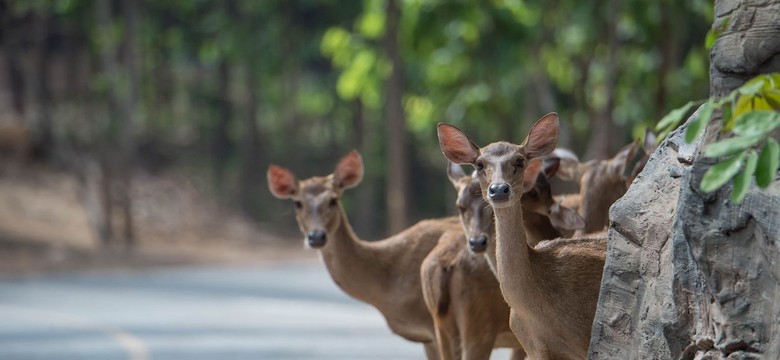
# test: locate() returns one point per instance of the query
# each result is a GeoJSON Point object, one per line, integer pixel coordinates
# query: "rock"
{"type": "Point", "coordinates": [691, 275]}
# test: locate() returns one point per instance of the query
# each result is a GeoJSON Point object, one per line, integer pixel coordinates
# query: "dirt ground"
{"type": "Point", "coordinates": [44, 227]}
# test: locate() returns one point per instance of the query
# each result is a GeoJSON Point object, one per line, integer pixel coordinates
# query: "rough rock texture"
{"type": "Point", "coordinates": [691, 275]}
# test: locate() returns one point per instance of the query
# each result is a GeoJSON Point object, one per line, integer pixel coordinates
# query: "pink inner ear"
{"type": "Point", "coordinates": [543, 137]}
{"type": "Point", "coordinates": [530, 173]}
{"type": "Point", "coordinates": [456, 145]}
{"type": "Point", "coordinates": [349, 171]}
{"type": "Point", "coordinates": [281, 181]}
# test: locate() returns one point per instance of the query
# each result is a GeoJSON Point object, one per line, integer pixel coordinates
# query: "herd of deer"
{"type": "Point", "coordinates": [536, 287]}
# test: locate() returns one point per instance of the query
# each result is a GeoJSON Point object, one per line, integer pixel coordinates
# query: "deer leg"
{"type": "Point", "coordinates": [517, 354]}
{"type": "Point", "coordinates": [430, 351]}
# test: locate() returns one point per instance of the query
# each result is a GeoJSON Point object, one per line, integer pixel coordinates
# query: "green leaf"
{"type": "Point", "coordinates": [720, 173]}
{"type": "Point", "coordinates": [742, 180]}
{"type": "Point", "coordinates": [728, 120]}
{"type": "Point", "coordinates": [768, 161]}
{"type": "Point", "coordinates": [752, 87]}
{"type": "Point", "coordinates": [696, 128]}
{"type": "Point", "coordinates": [772, 98]}
{"type": "Point", "coordinates": [756, 123]}
{"type": "Point", "coordinates": [731, 145]}
{"type": "Point", "coordinates": [674, 117]}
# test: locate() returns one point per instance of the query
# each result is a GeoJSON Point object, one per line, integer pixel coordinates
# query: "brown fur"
{"type": "Point", "coordinates": [552, 288]}
{"type": "Point", "coordinates": [385, 273]}
{"type": "Point", "coordinates": [469, 313]}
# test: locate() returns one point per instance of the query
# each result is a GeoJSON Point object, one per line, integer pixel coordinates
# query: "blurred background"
{"type": "Point", "coordinates": [142, 105]}
{"type": "Point", "coordinates": [138, 132]}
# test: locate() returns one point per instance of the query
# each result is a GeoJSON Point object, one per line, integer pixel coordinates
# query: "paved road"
{"type": "Point", "coordinates": [281, 312]}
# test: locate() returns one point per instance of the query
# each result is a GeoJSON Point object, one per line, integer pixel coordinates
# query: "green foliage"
{"type": "Point", "coordinates": [768, 162]}
{"type": "Point", "coordinates": [751, 113]}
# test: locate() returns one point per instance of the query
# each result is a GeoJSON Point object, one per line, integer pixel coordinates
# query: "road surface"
{"type": "Point", "coordinates": [274, 312]}
{"type": "Point", "coordinates": [282, 312]}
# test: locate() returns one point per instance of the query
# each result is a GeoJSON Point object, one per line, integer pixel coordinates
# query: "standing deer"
{"type": "Point", "coordinates": [552, 288]}
{"type": "Point", "coordinates": [544, 219]}
{"type": "Point", "coordinates": [602, 182]}
{"type": "Point", "coordinates": [460, 289]}
{"type": "Point", "coordinates": [384, 274]}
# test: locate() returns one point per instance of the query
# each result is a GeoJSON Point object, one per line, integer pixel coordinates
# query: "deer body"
{"type": "Point", "coordinates": [464, 298]}
{"type": "Point", "coordinates": [552, 288]}
{"type": "Point", "coordinates": [385, 273]}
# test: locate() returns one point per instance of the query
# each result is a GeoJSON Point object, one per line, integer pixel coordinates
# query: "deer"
{"type": "Point", "coordinates": [551, 288]}
{"type": "Point", "coordinates": [601, 182]}
{"type": "Point", "coordinates": [384, 274]}
{"type": "Point", "coordinates": [460, 289]}
{"type": "Point", "coordinates": [544, 218]}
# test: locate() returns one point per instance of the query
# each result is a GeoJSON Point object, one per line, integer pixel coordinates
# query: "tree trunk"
{"type": "Point", "coordinates": [602, 129]}
{"type": "Point", "coordinates": [251, 169]}
{"type": "Point", "coordinates": [397, 168]}
{"type": "Point", "coordinates": [365, 220]}
{"type": "Point", "coordinates": [43, 140]}
{"type": "Point", "coordinates": [692, 275]}
{"type": "Point", "coordinates": [221, 141]}
{"type": "Point", "coordinates": [128, 119]}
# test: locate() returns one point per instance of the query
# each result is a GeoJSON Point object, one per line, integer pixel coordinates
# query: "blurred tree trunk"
{"type": "Point", "coordinates": [363, 138]}
{"type": "Point", "coordinates": [397, 168]}
{"type": "Point", "coordinates": [668, 53]}
{"type": "Point", "coordinates": [128, 119]}
{"type": "Point", "coordinates": [252, 153]}
{"type": "Point", "coordinates": [11, 50]}
{"type": "Point", "coordinates": [602, 132]}
{"type": "Point", "coordinates": [108, 67]}
{"type": "Point", "coordinates": [291, 82]}
{"type": "Point", "coordinates": [221, 140]}
{"type": "Point", "coordinates": [40, 83]}
{"type": "Point", "coordinates": [122, 101]}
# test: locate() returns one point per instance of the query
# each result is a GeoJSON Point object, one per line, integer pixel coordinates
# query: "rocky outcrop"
{"type": "Point", "coordinates": [692, 275]}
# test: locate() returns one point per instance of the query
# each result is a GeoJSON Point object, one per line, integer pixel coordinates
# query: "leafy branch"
{"type": "Point", "coordinates": [751, 113]}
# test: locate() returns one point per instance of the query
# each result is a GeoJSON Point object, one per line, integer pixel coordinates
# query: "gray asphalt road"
{"type": "Point", "coordinates": [280, 312]}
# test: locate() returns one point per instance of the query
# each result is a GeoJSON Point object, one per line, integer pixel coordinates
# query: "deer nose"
{"type": "Point", "coordinates": [478, 244]}
{"type": "Point", "coordinates": [316, 238]}
{"type": "Point", "coordinates": [499, 192]}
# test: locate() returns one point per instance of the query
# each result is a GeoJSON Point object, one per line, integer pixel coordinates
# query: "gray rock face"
{"type": "Point", "coordinates": [691, 275]}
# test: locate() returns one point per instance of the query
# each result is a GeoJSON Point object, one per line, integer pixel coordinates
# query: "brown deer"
{"type": "Point", "coordinates": [469, 313]}
{"type": "Point", "coordinates": [462, 293]}
{"type": "Point", "coordinates": [551, 288]}
{"type": "Point", "coordinates": [384, 274]}
{"type": "Point", "coordinates": [602, 182]}
{"type": "Point", "coordinates": [544, 218]}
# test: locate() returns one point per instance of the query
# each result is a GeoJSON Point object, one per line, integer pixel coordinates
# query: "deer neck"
{"type": "Point", "coordinates": [513, 254]}
{"type": "Point", "coordinates": [356, 266]}
{"type": "Point", "coordinates": [538, 228]}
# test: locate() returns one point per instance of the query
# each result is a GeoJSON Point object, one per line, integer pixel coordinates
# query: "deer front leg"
{"type": "Point", "coordinates": [517, 354]}
{"type": "Point", "coordinates": [430, 351]}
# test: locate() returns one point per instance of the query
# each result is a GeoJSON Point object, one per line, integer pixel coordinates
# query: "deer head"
{"type": "Point", "coordinates": [476, 215]}
{"type": "Point", "coordinates": [317, 199]}
{"type": "Point", "coordinates": [501, 165]}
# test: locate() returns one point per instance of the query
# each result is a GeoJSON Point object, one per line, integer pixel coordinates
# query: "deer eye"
{"type": "Point", "coordinates": [480, 165]}
{"type": "Point", "coordinates": [520, 162]}
{"type": "Point", "coordinates": [298, 205]}
{"type": "Point", "coordinates": [334, 202]}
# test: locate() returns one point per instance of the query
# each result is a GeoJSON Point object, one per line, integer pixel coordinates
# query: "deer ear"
{"type": "Point", "coordinates": [550, 166]}
{"type": "Point", "coordinates": [349, 171]}
{"type": "Point", "coordinates": [281, 182]}
{"type": "Point", "coordinates": [454, 173]}
{"type": "Point", "coordinates": [568, 164]}
{"type": "Point", "coordinates": [649, 145]}
{"type": "Point", "coordinates": [530, 173]}
{"type": "Point", "coordinates": [626, 159]}
{"type": "Point", "coordinates": [543, 137]}
{"type": "Point", "coordinates": [565, 218]}
{"type": "Point", "coordinates": [455, 145]}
